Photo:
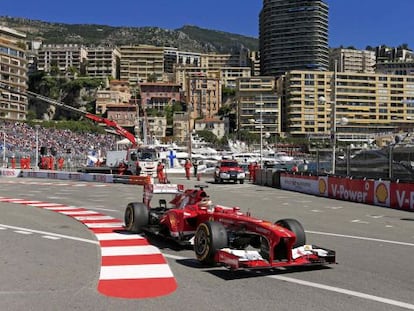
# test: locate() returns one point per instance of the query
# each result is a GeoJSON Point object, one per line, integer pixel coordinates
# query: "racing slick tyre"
{"type": "Point", "coordinates": [136, 217]}
{"type": "Point", "coordinates": [210, 236]}
{"type": "Point", "coordinates": [296, 227]}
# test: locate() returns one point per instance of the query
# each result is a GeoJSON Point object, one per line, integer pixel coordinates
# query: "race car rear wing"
{"type": "Point", "coordinates": [151, 189]}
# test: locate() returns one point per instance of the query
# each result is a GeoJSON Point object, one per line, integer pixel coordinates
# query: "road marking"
{"type": "Point", "coordinates": [23, 232]}
{"type": "Point", "coordinates": [328, 288]}
{"type": "Point", "coordinates": [359, 221]}
{"type": "Point", "coordinates": [130, 268]}
{"type": "Point", "coordinates": [110, 236]}
{"type": "Point", "coordinates": [345, 291]}
{"type": "Point", "coordinates": [61, 184]}
{"type": "Point", "coordinates": [50, 237]}
{"type": "Point", "coordinates": [360, 238]}
{"type": "Point", "coordinates": [68, 237]}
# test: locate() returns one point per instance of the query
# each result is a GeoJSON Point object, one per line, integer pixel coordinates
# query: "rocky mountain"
{"type": "Point", "coordinates": [187, 38]}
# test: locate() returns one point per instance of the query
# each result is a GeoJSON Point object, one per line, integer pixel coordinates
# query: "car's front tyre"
{"type": "Point", "coordinates": [210, 236]}
{"type": "Point", "coordinates": [296, 227]}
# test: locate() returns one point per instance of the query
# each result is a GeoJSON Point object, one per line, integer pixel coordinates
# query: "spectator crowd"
{"type": "Point", "coordinates": [20, 139]}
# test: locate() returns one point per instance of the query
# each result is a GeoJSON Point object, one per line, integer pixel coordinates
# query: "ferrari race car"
{"type": "Point", "coordinates": [223, 235]}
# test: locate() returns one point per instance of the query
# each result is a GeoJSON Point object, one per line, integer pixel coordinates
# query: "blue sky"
{"type": "Point", "coordinates": [355, 23]}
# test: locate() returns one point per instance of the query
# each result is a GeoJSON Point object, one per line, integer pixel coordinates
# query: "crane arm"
{"type": "Point", "coordinates": [107, 122]}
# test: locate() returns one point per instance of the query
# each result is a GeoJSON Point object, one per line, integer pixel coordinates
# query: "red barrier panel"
{"type": "Point", "coordinates": [355, 190]}
{"type": "Point", "coordinates": [139, 180]}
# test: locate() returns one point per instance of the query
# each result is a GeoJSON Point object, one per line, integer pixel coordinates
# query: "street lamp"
{"type": "Point", "coordinates": [333, 117]}
{"type": "Point", "coordinates": [190, 136]}
{"type": "Point", "coordinates": [260, 122]}
{"type": "Point", "coordinates": [4, 149]}
{"type": "Point", "coordinates": [37, 126]}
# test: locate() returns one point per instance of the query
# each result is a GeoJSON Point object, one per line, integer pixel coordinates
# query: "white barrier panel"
{"type": "Point", "coordinates": [9, 172]}
{"type": "Point", "coordinates": [104, 178]}
{"type": "Point", "coordinates": [316, 185]}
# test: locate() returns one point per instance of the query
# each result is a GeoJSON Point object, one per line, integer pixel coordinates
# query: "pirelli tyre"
{"type": "Point", "coordinates": [296, 227]}
{"type": "Point", "coordinates": [210, 236]}
{"type": "Point", "coordinates": [136, 217]}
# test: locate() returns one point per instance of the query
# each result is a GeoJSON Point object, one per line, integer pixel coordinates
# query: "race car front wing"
{"type": "Point", "coordinates": [251, 259]}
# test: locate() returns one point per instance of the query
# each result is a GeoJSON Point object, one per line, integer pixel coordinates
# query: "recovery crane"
{"type": "Point", "coordinates": [138, 159]}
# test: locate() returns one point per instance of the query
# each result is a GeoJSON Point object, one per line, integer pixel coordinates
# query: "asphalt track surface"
{"type": "Point", "coordinates": [49, 261]}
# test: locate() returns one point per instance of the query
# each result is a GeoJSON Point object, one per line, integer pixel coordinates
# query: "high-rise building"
{"type": "Point", "coordinates": [13, 74]}
{"type": "Point", "coordinates": [352, 60]}
{"type": "Point", "coordinates": [293, 35]}
{"type": "Point", "coordinates": [365, 104]}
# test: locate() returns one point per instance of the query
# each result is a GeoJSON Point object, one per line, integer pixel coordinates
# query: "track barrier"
{"type": "Point", "coordinates": [385, 193]}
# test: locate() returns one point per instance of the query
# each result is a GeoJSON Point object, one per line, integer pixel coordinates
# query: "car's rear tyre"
{"type": "Point", "coordinates": [210, 236]}
{"type": "Point", "coordinates": [136, 217]}
{"type": "Point", "coordinates": [241, 181]}
{"type": "Point", "coordinates": [296, 227]}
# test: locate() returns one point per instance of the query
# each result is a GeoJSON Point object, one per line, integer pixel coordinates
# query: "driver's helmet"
{"type": "Point", "coordinates": [205, 202]}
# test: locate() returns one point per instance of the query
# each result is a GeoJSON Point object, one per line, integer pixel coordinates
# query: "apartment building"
{"type": "Point", "coordinates": [103, 62]}
{"type": "Point", "coordinates": [393, 54]}
{"type": "Point", "coordinates": [118, 92]}
{"type": "Point", "coordinates": [13, 74]}
{"type": "Point", "coordinates": [255, 63]}
{"type": "Point", "coordinates": [226, 75]}
{"type": "Point", "coordinates": [352, 60]}
{"type": "Point", "coordinates": [214, 125]}
{"type": "Point", "coordinates": [158, 95]}
{"type": "Point", "coordinates": [203, 96]}
{"type": "Point", "coordinates": [173, 57]}
{"type": "Point", "coordinates": [215, 60]}
{"type": "Point", "coordinates": [181, 126]}
{"type": "Point", "coordinates": [396, 67]}
{"type": "Point", "coordinates": [67, 58]}
{"type": "Point", "coordinates": [157, 127]}
{"type": "Point", "coordinates": [364, 104]}
{"type": "Point", "coordinates": [124, 115]}
{"type": "Point", "coordinates": [141, 63]}
{"type": "Point", "coordinates": [258, 105]}
{"type": "Point", "coordinates": [293, 35]}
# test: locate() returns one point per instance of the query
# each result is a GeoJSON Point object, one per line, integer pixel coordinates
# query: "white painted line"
{"type": "Point", "coordinates": [50, 237]}
{"type": "Point", "coordinates": [360, 238]}
{"type": "Point", "coordinates": [80, 212]}
{"type": "Point", "coordinates": [60, 208]}
{"type": "Point", "coordinates": [51, 233]}
{"type": "Point", "coordinates": [108, 273]}
{"type": "Point", "coordinates": [80, 218]}
{"type": "Point", "coordinates": [328, 288]}
{"type": "Point", "coordinates": [135, 272]}
{"type": "Point", "coordinates": [117, 236]}
{"type": "Point", "coordinates": [344, 291]}
{"type": "Point", "coordinates": [129, 250]}
{"type": "Point", "coordinates": [105, 225]}
{"type": "Point", "coordinates": [23, 232]}
{"type": "Point", "coordinates": [359, 221]}
{"type": "Point", "coordinates": [49, 205]}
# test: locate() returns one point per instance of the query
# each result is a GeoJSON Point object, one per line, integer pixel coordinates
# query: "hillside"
{"type": "Point", "coordinates": [187, 38]}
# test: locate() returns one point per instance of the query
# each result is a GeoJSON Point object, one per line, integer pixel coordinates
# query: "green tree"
{"type": "Point", "coordinates": [208, 137]}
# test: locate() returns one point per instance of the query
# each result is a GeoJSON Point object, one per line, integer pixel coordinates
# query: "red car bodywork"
{"type": "Point", "coordinates": [251, 243]}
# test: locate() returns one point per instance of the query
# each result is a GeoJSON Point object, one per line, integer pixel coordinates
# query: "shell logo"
{"type": "Point", "coordinates": [381, 193]}
{"type": "Point", "coordinates": [322, 186]}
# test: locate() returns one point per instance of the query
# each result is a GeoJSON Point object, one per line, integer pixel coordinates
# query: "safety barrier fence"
{"type": "Point", "coordinates": [62, 175]}
{"type": "Point", "coordinates": [385, 193]}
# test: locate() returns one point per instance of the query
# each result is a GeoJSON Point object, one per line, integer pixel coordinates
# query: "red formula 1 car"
{"type": "Point", "coordinates": [223, 235]}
